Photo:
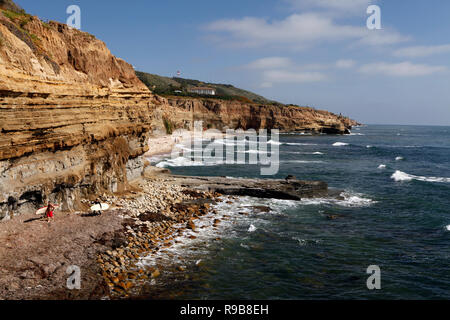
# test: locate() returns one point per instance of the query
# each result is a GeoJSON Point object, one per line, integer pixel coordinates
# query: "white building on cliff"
{"type": "Point", "coordinates": [203, 90]}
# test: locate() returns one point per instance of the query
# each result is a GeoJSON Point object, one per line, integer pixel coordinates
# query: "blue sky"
{"type": "Point", "coordinates": [308, 52]}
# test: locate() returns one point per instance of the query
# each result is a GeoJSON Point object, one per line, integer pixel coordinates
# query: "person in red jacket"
{"type": "Point", "coordinates": [49, 212]}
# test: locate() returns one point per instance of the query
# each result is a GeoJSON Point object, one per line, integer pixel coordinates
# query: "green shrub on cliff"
{"type": "Point", "coordinates": [11, 6]}
{"type": "Point", "coordinates": [168, 125]}
{"type": "Point", "coordinates": [21, 18]}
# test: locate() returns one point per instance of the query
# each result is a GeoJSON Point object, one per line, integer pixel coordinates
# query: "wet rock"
{"type": "Point", "coordinates": [191, 226]}
{"type": "Point", "coordinates": [156, 273]}
{"type": "Point", "coordinates": [260, 188]}
{"type": "Point", "coordinates": [262, 208]}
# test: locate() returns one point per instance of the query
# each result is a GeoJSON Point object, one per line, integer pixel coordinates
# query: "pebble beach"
{"type": "Point", "coordinates": [152, 221]}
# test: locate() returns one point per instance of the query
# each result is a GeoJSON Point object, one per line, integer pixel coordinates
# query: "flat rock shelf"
{"type": "Point", "coordinates": [288, 189]}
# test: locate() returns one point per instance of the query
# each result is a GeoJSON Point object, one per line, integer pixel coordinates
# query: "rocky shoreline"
{"type": "Point", "coordinates": [111, 249]}
{"type": "Point", "coordinates": [151, 223]}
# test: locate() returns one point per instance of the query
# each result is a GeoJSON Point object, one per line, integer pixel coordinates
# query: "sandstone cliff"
{"type": "Point", "coordinates": [74, 119]}
{"type": "Point", "coordinates": [219, 114]}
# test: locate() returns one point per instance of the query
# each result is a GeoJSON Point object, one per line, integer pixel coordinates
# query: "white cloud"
{"type": "Point", "coordinates": [348, 6]}
{"type": "Point", "coordinates": [383, 37]}
{"type": "Point", "coordinates": [276, 70]}
{"type": "Point", "coordinates": [345, 63]}
{"type": "Point", "coordinates": [402, 69]}
{"type": "Point", "coordinates": [295, 31]}
{"type": "Point", "coordinates": [270, 62]}
{"type": "Point", "coordinates": [422, 51]}
{"type": "Point", "coordinates": [285, 76]}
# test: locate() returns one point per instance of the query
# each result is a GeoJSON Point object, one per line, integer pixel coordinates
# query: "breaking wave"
{"type": "Point", "coordinates": [185, 162]}
{"type": "Point", "coordinates": [300, 144]}
{"type": "Point", "coordinates": [313, 153]}
{"type": "Point", "coordinates": [403, 176]}
{"type": "Point", "coordinates": [347, 200]}
{"type": "Point", "coordinates": [340, 144]}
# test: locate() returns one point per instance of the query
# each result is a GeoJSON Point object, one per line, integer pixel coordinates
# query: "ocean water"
{"type": "Point", "coordinates": [395, 213]}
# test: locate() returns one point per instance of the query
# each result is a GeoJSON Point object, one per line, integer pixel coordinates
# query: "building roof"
{"type": "Point", "coordinates": [202, 88]}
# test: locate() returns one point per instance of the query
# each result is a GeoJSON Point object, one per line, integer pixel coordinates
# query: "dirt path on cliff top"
{"type": "Point", "coordinates": [34, 256]}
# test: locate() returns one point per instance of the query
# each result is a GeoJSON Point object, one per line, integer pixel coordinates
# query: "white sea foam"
{"type": "Point", "coordinates": [280, 204]}
{"type": "Point", "coordinates": [298, 133]}
{"type": "Point", "coordinates": [228, 142]}
{"type": "Point", "coordinates": [448, 227]}
{"type": "Point", "coordinates": [300, 144]}
{"type": "Point", "coordinates": [340, 144]}
{"type": "Point", "coordinates": [399, 158]}
{"type": "Point", "coordinates": [369, 147]}
{"type": "Point", "coordinates": [235, 217]}
{"type": "Point", "coordinates": [304, 242]}
{"type": "Point", "coordinates": [231, 221]}
{"type": "Point", "coordinates": [301, 242]}
{"type": "Point", "coordinates": [236, 178]}
{"type": "Point", "coordinates": [185, 162]}
{"type": "Point", "coordinates": [382, 166]}
{"type": "Point", "coordinates": [297, 152]}
{"type": "Point", "coordinates": [257, 152]}
{"type": "Point", "coordinates": [403, 176]}
{"type": "Point", "coordinates": [349, 200]}
{"type": "Point", "coordinates": [156, 159]}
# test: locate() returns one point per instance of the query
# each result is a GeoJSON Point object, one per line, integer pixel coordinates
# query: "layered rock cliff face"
{"type": "Point", "coordinates": [74, 119]}
{"type": "Point", "coordinates": [219, 114]}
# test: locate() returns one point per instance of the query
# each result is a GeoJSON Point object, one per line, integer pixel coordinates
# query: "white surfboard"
{"type": "Point", "coordinates": [100, 207]}
{"type": "Point", "coordinates": [42, 210]}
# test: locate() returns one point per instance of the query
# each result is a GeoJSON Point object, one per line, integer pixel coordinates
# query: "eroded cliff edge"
{"type": "Point", "coordinates": [219, 114]}
{"type": "Point", "coordinates": [74, 119]}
